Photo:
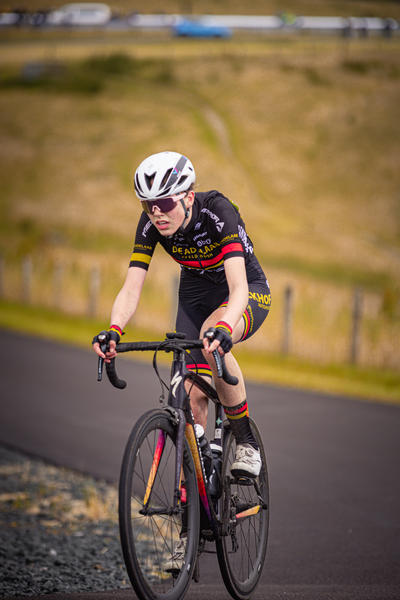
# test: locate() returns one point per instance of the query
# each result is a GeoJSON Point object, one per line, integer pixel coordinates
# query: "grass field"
{"type": "Point", "coordinates": [303, 133]}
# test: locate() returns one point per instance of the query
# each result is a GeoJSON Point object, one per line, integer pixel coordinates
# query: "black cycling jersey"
{"type": "Point", "coordinates": [214, 233]}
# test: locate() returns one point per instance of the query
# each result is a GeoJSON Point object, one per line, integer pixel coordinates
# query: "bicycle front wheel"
{"type": "Point", "coordinates": [150, 529]}
{"type": "Point", "coordinates": [241, 554]}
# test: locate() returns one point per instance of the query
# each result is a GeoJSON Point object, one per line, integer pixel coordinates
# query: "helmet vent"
{"type": "Point", "coordinates": [164, 192]}
{"type": "Point", "coordinates": [137, 184]}
{"type": "Point", "coordinates": [149, 180]}
{"type": "Point", "coordinates": [166, 177]}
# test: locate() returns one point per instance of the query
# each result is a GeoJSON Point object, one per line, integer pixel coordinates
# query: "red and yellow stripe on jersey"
{"type": "Point", "coordinates": [231, 249]}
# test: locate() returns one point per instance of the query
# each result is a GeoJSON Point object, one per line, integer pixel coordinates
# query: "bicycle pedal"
{"type": "Point", "coordinates": [242, 506]}
{"type": "Point", "coordinates": [242, 480]}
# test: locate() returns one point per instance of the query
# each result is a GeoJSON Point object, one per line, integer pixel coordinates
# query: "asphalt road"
{"type": "Point", "coordinates": [333, 466]}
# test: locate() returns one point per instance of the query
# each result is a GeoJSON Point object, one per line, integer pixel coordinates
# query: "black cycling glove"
{"type": "Point", "coordinates": [223, 333]}
{"type": "Point", "coordinates": [114, 333]}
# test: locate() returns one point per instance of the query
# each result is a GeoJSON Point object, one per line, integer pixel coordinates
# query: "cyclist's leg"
{"type": "Point", "coordinates": [202, 305]}
{"type": "Point", "coordinates": [234, 401]}
{"type": "Point", "coordinates": [233, 398]}
{"type": "Point", "coordinates": [230, 395]}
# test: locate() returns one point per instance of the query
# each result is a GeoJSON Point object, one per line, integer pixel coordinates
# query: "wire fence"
{"type": "Point", "coordinates": [316, 321]}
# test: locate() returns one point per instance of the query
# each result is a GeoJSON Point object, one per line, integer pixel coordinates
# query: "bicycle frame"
{"type": "Point", "coordinates": [182, 416]}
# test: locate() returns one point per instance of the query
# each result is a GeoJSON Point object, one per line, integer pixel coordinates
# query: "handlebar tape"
{"type": "Point", "coordinates": [222, 371]}
{"type": "Point", "coordinates": [113, 377]}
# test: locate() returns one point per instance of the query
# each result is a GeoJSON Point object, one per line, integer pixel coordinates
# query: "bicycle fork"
{"type": "Point", "coordinates": [179, 421]}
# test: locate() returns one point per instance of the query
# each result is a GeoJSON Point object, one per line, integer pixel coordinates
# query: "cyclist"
{"type": "Point", "coordinates": [223, 289]}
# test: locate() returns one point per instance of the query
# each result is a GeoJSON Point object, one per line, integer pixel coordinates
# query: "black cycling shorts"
{"type": "Point", "coordinates": [199, 298]}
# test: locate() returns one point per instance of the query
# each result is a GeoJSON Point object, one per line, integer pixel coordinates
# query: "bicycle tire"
{"type": "Point", "coordinates": [241, 563]}
{"type": "Point", "coordinates": [148, 540]}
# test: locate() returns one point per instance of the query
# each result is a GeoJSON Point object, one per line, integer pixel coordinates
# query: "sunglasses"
{"type": "Point", "coordinates": [164, 205]}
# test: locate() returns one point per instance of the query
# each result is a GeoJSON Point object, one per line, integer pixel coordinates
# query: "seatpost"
{"type": "Point", "coordinates": [216, 445]}
{"type": "Point", "coordinates": [219, 425]}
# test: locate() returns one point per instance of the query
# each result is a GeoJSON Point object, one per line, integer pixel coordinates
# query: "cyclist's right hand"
{"type": "Point", "coordinates": [106, 347]}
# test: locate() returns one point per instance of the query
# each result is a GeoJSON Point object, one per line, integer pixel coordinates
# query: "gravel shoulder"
{"type": "Point", "coordinates": [59, 530]}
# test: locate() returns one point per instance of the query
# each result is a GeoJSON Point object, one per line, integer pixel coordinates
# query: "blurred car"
{"type": "Point", "coordinates": [7, 19]}
{"type": "Point", "coordinates": [197, 29]}
{"type": "Point", "coordinates": [39, 19]}
{"type": "Point", "coordinates": [322, 24]}
{"type": "Point", "coordinates": [162, 21]}
{"type": "Point", "coordinates": [244, 22]}
{"type": "Point", "coordinates": [85, 13]}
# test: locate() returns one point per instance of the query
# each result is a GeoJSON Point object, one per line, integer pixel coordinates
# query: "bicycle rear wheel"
{"type": "Point", "coordinates": [241, 554]}
{"type": "Point", "coordinates": [149, 528]}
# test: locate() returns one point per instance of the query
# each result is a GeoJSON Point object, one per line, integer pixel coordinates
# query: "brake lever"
{"type": "Point", "coordinates": [100, 365]}
{"type": "Point", "coordinates": [103, 347]}
{"type": "Point", "coordinates": [222, 371]}
{"type": "Point", "coordinates": [217, 358]}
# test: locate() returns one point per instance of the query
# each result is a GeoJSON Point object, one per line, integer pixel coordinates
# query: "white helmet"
{"type": "Point", "coordinates": [163, 174]}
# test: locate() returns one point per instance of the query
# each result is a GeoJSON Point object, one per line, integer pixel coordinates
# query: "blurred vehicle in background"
{"type": "Point", "coordinates": [197, 29]}
{"type": "Point", "coordinates": [322, 24]}
{"type": "Point", "coordinates": [38, 19]}
{"type": "Point", "coordinates": [7, 19]}
{"type": "Point", "coordinates": [244, 22]}
{"type": "Point", "coordinates": [85, 14]}
{"type": "Point", "coordinates": [156, 22]}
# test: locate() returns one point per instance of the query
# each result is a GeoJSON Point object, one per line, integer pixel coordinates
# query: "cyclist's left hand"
{"type": "Point", "coordinates": [220, 339]}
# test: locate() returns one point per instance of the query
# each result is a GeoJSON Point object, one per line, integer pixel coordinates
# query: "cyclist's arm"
{"type": "Point", "coordinates": [126, 302]}
{"type": "Point", "coordinates": [235, 272]}
{"type": "Point", "coordinates": [125, 305]}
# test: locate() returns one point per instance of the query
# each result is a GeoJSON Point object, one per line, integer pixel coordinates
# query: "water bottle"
{"type": "Point", "coordinates": [214, 484]}
{"type": "Point", "coordinates": [205, 449]}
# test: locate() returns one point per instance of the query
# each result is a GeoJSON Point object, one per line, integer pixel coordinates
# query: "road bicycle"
{"type": "Point", "coordinates": [165, 494]}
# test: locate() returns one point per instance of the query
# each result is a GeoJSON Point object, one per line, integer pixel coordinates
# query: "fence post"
{"type": "Point", "coordinates": [2, 269]}
{"type": "Point", "coordinates": [93, 291]}
{"type": "Point", "coordinates": [287, 319]}
{"type": "Point", "coordinates": [27, 279]}
{"type": "Point", "coordinates": [58, 276]}
{"type": "Point", "coordinates": [174, 300]}
{"type": "Point", "coordinates": [356, 320]}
